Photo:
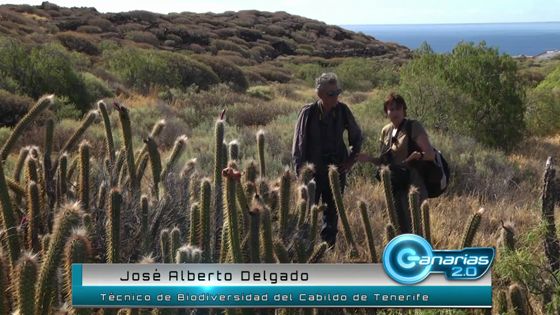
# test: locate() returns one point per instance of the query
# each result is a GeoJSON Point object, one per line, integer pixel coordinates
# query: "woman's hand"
{"type": "Point", "coordinates": [413, 156]}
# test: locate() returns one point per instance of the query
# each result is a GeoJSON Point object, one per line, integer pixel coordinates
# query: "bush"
{"type": "Point", "coordinates": [228, 72]}
{"type": "Point", "coordinates": [262, 92]}
{"type": "Point", "coordinates": [12, 108]}
{"type": "Point", "coordinates": [96, 87]}
{"type": "Point", "coordinates": [43, 69]}
{"type": "Point", "coordinates": [77, 42]}
{"type": "Point", "coordinates": [143, 37]}
{"type": "Point", "coordinates": [543, 110]}
{"type": "Point", "coordinates": [485, 85]}
{"type": "Point", "coordinates": [360, 74]}
{"type": "Point", "coordinates": [144, 69]}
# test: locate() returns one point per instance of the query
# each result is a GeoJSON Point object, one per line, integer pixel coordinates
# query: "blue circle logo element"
{"type": "Point", "coordinates": [407, 259]}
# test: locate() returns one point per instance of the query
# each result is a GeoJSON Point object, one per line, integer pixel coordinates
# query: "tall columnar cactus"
{"type": "Point", "coordinates": [84, 174]}
{"type": "Point", "coordinates": [306, 173]}
{"type": "Point", "coordinates": [507, 237]}
{"type": "Point", "coordinates": [188, 254]}
{"type": "Point", "coordinates": [302, 212]}
{"type": "Point", "coordinates": [281, 252]}
{"type": "Point", "coordinates": [4, 285]}
{"type": "Point", "coordinates": [390, 233]}
{"type": "Point", "coordinates": [61, 183]}
{"type": "Point", "coordinates": [34, 216]}
{"type": "Point", "coordinates": [195, 226]}
{"type": "Point", "coordinates": [42, 104]}
{"type": "Point", "coordinates": [113, 237]}
{"type": "Point", "coordinates": [8, 221]}
{"type": "Point", "coordinates": [155, 164]}
{"type": "Point", "coordinates": [254, 236]}
{"type": "Point", "coordinates": [127, 138]}
{"type": "Point", "coordinates": [285, 185]}
{"type": "Point", "coordinates": [234, 150]}
{"type": "Point", "coordinates": [369, 232]}
{"type": "Point", "coordinates": [387, 188]}
{"type": "Point", "coordinates": [311, 192]}
{"type": "Point", "coordinates": [25, 278]}
{"type": "Point", "coordinates": [66, 219]}
{"type": "Point", "coordinates": [266, 232]}
{"type": "Point", "coordinates": [471, 228]}
{"type": "Point", "coordinates": [205, 215]}
{"type": "Point", "coordinates": [415, 213]}
{"type": "Point", "coordinates": [23, 153]}
{"type": "Point", "coordinates": [102, 195]}
{"type": "Point", "coordinates": [47, 163]}
{"type": "Point", "coordinates": [318, 253]}
{"type": "Point", "coordinates": [551, 243]}
{"type": "Point", "coordinates": [186, 181]}
{"type": "Point", "coordinates": [165, 245]}
{"type": "Point", "coordinates": [334, 180]}
{"type": "Point", "coordinates": [88, 224]}
{"type": "Point", "coordinates": [109, 143]}
{"type": "Point", "coordinates": [218, 182]}
{"type": "Point", "coordinates": [179, 148]}
{"type": "Point", "coordinates": [426, 228]}
{"type": "Point", "coordinates": [77, 250]}
{"type": "Point", "coordinates": [315, 211]}
{"type": "Point", "coordinates": [517, 300]}
{"type": "Point", "coordinates": [501, 303]}
{"type": "Point", "coordinates": [260, 148]}
{"type": "Point", "coordinates": [156, 131]}
{"type": "Point", "coordinates": [145, 224]}
{"type": "Point", "coordinates": [90, 118]}
{"type": "Point", "coordinates": [174, 241]}
{"type": "Point", "coordinates": [231, 177]}
{"type": "Point", "coordinates": [251, 172]}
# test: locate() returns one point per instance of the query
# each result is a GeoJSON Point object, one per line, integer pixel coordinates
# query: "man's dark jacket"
{"type": "Point", "coordinates": [306, 146]}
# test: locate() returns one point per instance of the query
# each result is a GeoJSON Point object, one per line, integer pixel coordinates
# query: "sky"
{"type": "Point", "coordinates": [347, 12]}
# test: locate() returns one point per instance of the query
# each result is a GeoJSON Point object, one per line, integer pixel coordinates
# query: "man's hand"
{"type": "Point", "coordinates": [347, 165]}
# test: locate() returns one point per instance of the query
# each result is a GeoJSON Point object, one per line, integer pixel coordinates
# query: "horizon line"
{"type": "Point", "coordinates": [465, 23]}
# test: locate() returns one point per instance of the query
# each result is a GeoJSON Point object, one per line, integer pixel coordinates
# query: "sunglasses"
{"type": "Point", "coordinates": [334, 92]}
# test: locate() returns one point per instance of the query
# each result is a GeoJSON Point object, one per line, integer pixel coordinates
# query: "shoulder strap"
{"type": "Point", "coordinates": [408, 130]}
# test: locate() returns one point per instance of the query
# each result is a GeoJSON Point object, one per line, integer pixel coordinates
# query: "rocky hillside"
{"type": "Point", "coordinates": [256, 35]}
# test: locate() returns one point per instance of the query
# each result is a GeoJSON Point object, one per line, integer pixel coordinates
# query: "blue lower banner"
{"type": "Point", "coordinates": [268, 285]}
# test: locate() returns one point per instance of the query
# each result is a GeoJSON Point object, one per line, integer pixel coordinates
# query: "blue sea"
{"type": "Point", "coordinates": [512, 38]}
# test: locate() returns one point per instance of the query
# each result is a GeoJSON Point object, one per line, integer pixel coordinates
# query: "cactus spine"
{"type": "Point", "coordinates": [178, 149]}
{"type": "Point", "coordinates": [77, 250]}
{"type": "Point", "coordinates": [113, 228]}
{"type": "Point", "coordinates": [230, 199]}
{"type": "Point", "coordinates": [127, 138]}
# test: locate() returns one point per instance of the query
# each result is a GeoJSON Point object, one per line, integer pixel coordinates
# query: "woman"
{"type": "Point", "coordinates": [401, 154]}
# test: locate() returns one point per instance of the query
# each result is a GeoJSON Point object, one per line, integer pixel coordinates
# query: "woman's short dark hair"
{"type": "Point", "coordinates": [396, 99]}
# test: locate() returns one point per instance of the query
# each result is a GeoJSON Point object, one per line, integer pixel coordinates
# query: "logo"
{"type": "Point", "coordinates": [409, 259]}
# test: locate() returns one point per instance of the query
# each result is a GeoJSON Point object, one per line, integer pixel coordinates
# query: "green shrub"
{"type": "Point", "coordinates": [482, 87]}
{"type": "Point", "coordinates": [143, 69]}
{"type": "Point", "coordinates": [543, 110]}
{"type": "Point", "coordinates": [551, 82]}
{"type": "Point", "coordinates": [43, 69]}
{"type": "Point", "coordinates": [12, 108]}
{"type": "Point", "coordinates": [78, 42]}
{"type": "Point", "coordinates": [143, 37]}
{"type": "Point", "coordinates": [96, 87]}
{"type": "Point", "coordinates": [262, 92]}
{"type": "Point", "coordinates": [361, 74]}
{"type": "Point", "coordinates": [228, 72]}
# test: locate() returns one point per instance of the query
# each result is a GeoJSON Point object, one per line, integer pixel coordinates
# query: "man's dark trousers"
{"type": "Point", "coordinates": [329, 228]}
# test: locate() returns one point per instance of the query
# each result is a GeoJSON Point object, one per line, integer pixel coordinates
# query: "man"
{"type": "Point", "coordinates": [318, 139]}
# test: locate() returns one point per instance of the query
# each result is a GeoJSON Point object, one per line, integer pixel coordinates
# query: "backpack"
{"type": "Point", "coordinates": [435, 173]}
